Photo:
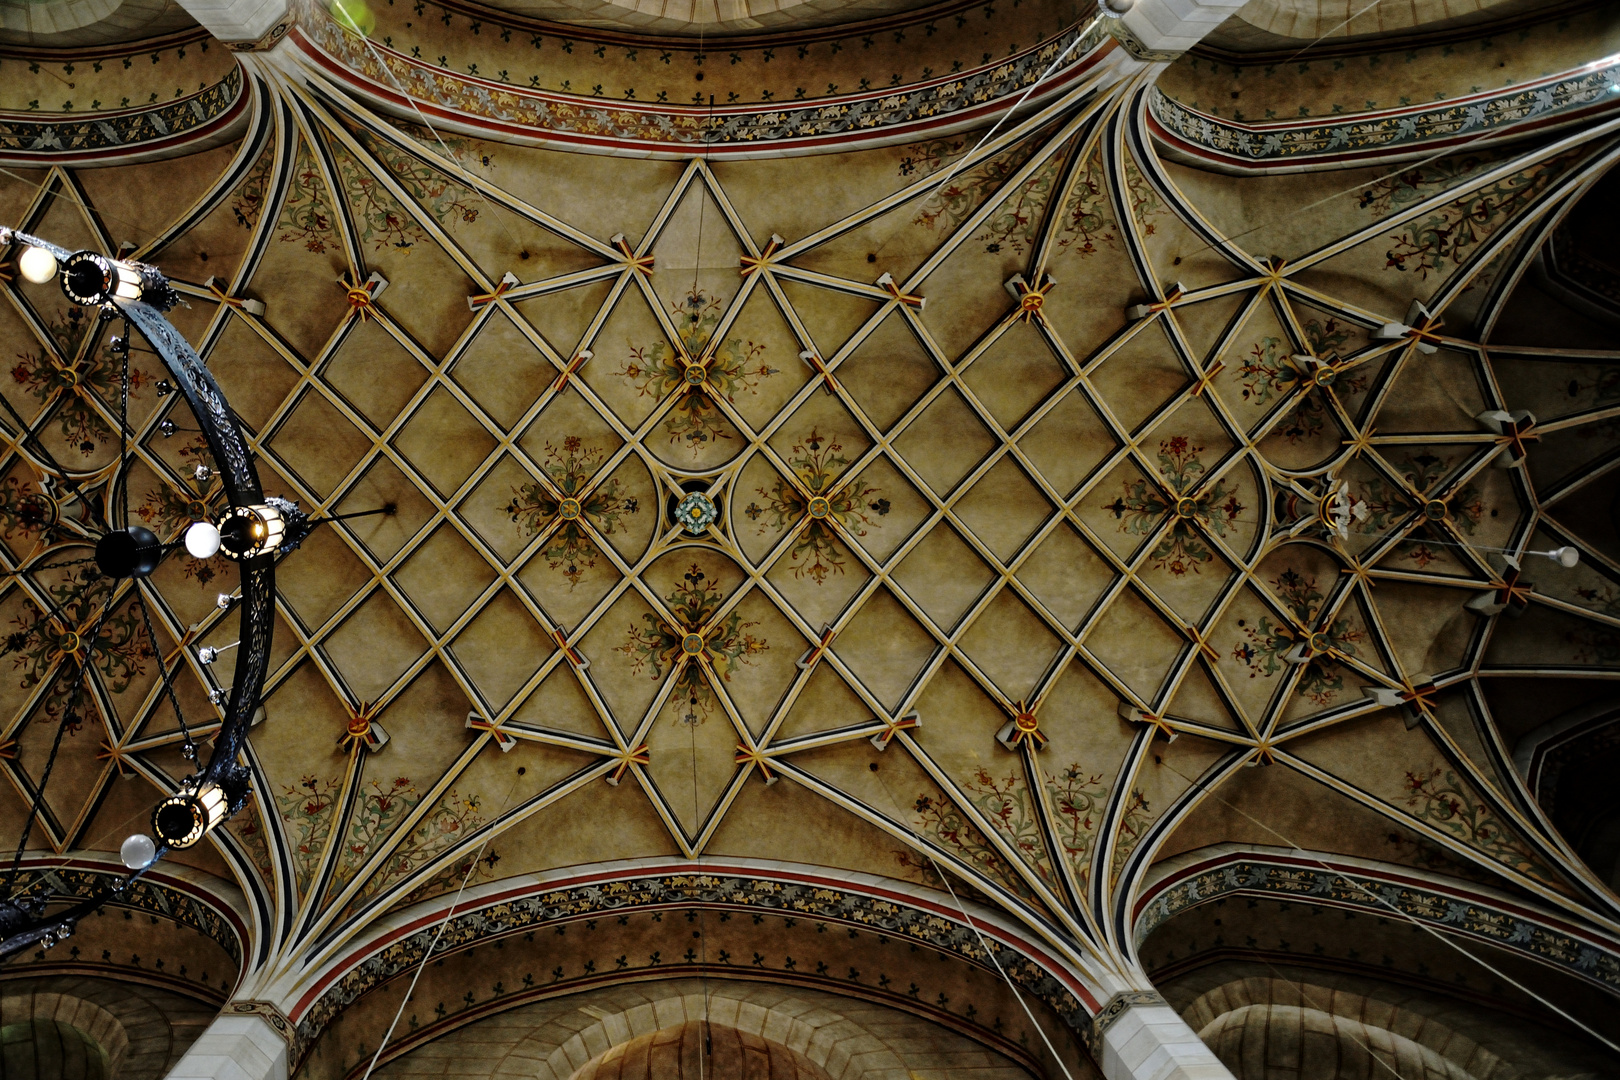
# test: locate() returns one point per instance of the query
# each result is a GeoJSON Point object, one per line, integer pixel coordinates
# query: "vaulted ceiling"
{"type": "Point", "coordinates": [1009, 453]}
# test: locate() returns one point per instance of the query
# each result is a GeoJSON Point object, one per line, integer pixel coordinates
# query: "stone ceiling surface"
{"type": "Point", "coordinates": [1009, 463]}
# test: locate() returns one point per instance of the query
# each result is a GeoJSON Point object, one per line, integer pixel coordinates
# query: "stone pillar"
{"type": "Point", "coordinates": [236, 1046]}
{"type": "Point", "coordinates": [1164, 29]}
{"type": "Point", "coordinates": [242, 24]}
{"type": "Point", "coordinates": [1137, 1036]}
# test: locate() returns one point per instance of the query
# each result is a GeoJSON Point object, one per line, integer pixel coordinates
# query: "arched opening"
{"type": "Point", "coordinates": [40, 1049]}
{"type": "Point", "coordinates": [700, 1049]}
{"type": "Point", "coordinates": [1287, 1042]}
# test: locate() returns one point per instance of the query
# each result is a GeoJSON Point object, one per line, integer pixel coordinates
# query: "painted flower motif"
{"type": "Point", "coordinates": [308, 808]}
{"type": "Point", "coordinates": [169, 508]}
{"type": "Point", "coordinates": [26, 512]}
{"type": "Point", "coordinates": [1142, 506]}
{"type": "Point", "coordinates": [534, 507]}
{"type": "Point", "coordinates": [1438, 797]}
{"type": "Point", "coordinates": [698, 371]}
{"type": "Point", "coordinates": [1445, 238]}
{"type": "Point", "coordinates": [1388, 503]}
{"type": "Point", "coordinates": [691, 645]}
{"type": "Point", "coordinates": [1268, 642]}
{"type": "Point", "coordinates": [946, 823]}
{"type": "Point", "coordinates": [45, 644]}
{"type": "Point", "coordinates": [1268, 373]}
{"type": "Point", "coordinates": [696, 512]}
{"type": "Point", "coordinates": [440, 828]}
{"type": "Point", "coordinates": [79, 388]}
{"type": "Point", "coordinates": [380, 218]}
{"type": "Point", "coordinates": [817, 461]}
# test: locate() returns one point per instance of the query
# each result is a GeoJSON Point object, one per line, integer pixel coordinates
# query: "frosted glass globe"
{"type": "Point", "coordinates": [138, 851]}
{"type": "Point", "coordinates": [202, 540]}
{"type": "Point", "coordinates": [37, 265]}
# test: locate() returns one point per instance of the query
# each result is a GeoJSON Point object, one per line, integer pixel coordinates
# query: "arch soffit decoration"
{"type": "Point", "coordinates": [1447, 906]}
{"type": "Point", "coordinates": [822, 1026]}
{"type": "Point", "coordinates": [396, 944]}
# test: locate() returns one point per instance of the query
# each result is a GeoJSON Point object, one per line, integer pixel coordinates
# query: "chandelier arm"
{"type": "Point", "coordinates": [188, 747]}
{"type": "Point", "coordinates": [48, 930]}
{"type": "Point", "coordinates": [125, 455]}
{"type": "Point", "coordinates": [223, 433]}
{"type": "Point", "coordinates": [81, 669]}
{"type": "Point", "coordinates": [23, 922]}
{"type": "Point", "coordinates": [215, 419]}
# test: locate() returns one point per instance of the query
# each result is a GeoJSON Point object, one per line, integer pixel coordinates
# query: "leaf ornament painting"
{"type": "Point", "coordinates": [80, 388]}
{"type": "Point", "coordinates": [1269, 373]}
{"type": "Point", "coordinates": [41, 644]}
{"type": "Point", "coordinates": [817, 461]}
{"type": "Point", "coordinates": [697, 371]}
{"type": "Point", "coordinates": [692, 645]}
{"type": "Point", "coordinates": [1388, 503]}
{"type": "Point", "coordinates": [1143, 504]}
{"type": "Point", "coordinates": [1438, 797]}
{"type": "Point", "coordinates": [1267, 643]}
{"type": "Point", "coordinates": [536, 506]}
{"type": "Point", "coordinates": [171, 507]}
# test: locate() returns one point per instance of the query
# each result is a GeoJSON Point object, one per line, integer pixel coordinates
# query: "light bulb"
{"type": "Point", "coordinates": [138, 851]}
{"type": "Point", "coordinates": [202, 540]}
{"type": "Point", "coordinates": [1566, 556]}
{"type": "Point", "coordinates": [37, 264]}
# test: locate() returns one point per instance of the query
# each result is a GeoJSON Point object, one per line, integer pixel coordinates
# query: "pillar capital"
{"type": "Point", "coordinates": [1138, 1036]}
{"type": "Point", "coordinates": [244, 1042]}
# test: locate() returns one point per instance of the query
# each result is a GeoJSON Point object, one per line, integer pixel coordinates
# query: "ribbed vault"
{"type": "Point", "coordinates": [996, 518]}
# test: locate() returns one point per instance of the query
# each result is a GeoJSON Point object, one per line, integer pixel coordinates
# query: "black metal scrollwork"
{"type": "Point", "coordinates": [24, 922]}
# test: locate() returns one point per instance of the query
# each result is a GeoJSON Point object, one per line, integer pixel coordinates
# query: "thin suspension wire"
{"type": "Point", "coordinates": [1318, 40]}
{"type": "Point", "coordinates": [703, 940]}
{"type": "Point", "coordinates": [1300, 989]}
{"type": "Point", "coordinates": [66, 192]}
{"type": "Point", "coordinates": [81, 673]}
{"type": "Point", "coordinates": [697, 255]}
{"type": "Point", "coordinates": [27, 434]}
{"type": "Point", "coordinates": [472, 865]}
{"type": "Point", "coordinates": [1431, 931]}
{"type": "Point", "coordinates": [188, 748]}
{"type": "Point", "coordinates": [1003, 118]}
{"type": "Point", "coordinates": [51, 566]}
{"type": "Point", "coordinates": [922, 846]}
{"type": "Point", "coordinates": [448, 155]}
{"type": "Point", "coordinates": [1449, 151]}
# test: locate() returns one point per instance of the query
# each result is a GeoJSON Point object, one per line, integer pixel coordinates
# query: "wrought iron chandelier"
{"type": "Point", "coordinates": [252, 530]}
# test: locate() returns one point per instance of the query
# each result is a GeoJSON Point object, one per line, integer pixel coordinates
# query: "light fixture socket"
{"type": "Point", "coordinates": [250, 531]}
{"type": "Point", "coordinates": [184, 818]}
{"type": "Point", "coordinates": [95, 280]}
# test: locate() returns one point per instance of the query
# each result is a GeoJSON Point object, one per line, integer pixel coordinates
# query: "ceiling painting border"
{"type": "Point", "coordinates": [1443, 904]}
{"type": "Point", "coordinates": [1194, 137]}
{"type": "Point", "coordinates": [860, 900]}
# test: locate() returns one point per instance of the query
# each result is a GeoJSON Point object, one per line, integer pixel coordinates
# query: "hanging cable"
{"type": "Point", "coordinates": [1318, 40]}
{"type": "Point", "coordinates": [472, 864]}
{"type": "Point", "coordinates": [66, 192]}
{"type": "Point", "coordinates": [1431, 931]}
{"type": "Point", "coordinates": [81, 673]}
{"type": "Point", "coordinates": [448, 154]}
{"type": "Point", "coordinates": [984, 944]}
{"type": "Point", "coordinates": [123, 429]}
{"type": "Point", "coordinates": [188, 748]}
